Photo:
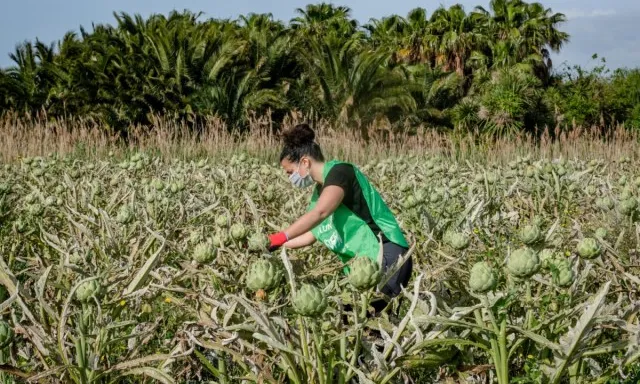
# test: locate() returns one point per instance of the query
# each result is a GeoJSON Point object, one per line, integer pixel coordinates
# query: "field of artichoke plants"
{"type": "Point", "coordinates": [139, 269]}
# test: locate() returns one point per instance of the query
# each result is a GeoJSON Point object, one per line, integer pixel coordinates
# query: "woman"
{"type": "Point", "coordinates": [346, 213]}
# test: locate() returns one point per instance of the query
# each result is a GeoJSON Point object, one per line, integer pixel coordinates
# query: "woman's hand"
{"type": "Point", "coordinates": [329, 200]}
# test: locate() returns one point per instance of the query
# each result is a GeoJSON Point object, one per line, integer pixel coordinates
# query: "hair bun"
{"type": "Point", "coordinates": [299, 135]}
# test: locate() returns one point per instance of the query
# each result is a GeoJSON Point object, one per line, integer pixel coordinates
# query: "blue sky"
{"type": "Point", "coordinates": [608, 28]}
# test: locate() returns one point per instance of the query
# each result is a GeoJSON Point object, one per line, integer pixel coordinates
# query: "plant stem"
{"type": "Point", "coordinates": [365, 298]}
{"type": "Point", "coordinates": [343, 357]}
{"type": "Point", "coordinates": [319, 354]}
{"type": "Point", "coordinates": [308, 371]}
{"type": "Point", "coordinates": [222, 368]}
{"type": "Point", "coordinates": [498, 340]}
{"type": "Point", "coordinates": [502, 341]}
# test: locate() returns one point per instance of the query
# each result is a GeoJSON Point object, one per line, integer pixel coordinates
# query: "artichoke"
{"type": "Point", "coordinates": [6, 334]}
{"type": "Point", "coordinates": [409, 202]}
{"type": "Point", "coordinates": [310, 301]}
{"type": "Point", "coordinates": [87, 290]}
{"type": "Point", "coordinates": [546, 257]}
{"type": "Point", "coordinates": [523, 263]}
{"type": "Point", "coordinates": [263, 274]}
{"type": "Point", "coordinates": [77, 257]}
{"type": "Point", "coordinates": [125, 215]}
{"type": "Point", "coordinates": [204, 253]}
{"type": "Point", "coordinates": [258, 242]}
{"type": "Point", "coordinates": [157, 184]}
{"type": "Point", "coordinates": [35, 209]}
{"type": "Point", "coordinates": [238, 231]}
{"type": "Point", "coordinates": [482, 277]}
{"type": "Point", "coordinates": [364, 273]}
{"type": "Point", "coordinates": [562, 274]}
{"type": "Point", "coordinates": [588, 248]}
{"type": "Point", "coordinates": [456, 240]}
{"type": "Point", "coordinates": [628, 206]}
{"type": "Point", "coordinates": [605, 203]}
{"type": "Point", "coordinates": [222, 221]}
{"type": "Point", "coordinates": [530, 234]}
{"type": "Point", "coordinates": [220, 239]}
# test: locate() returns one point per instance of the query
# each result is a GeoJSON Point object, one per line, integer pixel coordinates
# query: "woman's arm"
{"type": "Point", "coordinates": [301, 241]}
{"type": "Point", "coordinates": [329, 200]}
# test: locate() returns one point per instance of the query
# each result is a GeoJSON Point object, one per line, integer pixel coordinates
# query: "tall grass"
{"type": "Point", "coordinates": [24, 136]}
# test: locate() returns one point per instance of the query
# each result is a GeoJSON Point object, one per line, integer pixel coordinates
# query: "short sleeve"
{"type": "Point", "coordinates": [341, 175]}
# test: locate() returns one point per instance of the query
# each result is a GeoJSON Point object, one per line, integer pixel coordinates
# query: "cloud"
{"type": "Point", "coordinates": [585, 14]}
{"type": "Point", "coordinates": [613, 37]}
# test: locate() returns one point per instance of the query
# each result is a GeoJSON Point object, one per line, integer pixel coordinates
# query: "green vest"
{"type": "Point", "coordinates": [346, 234]}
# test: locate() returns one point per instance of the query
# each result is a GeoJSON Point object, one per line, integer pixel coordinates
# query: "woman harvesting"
{"type": "Point", "coordinates": [345, 213]}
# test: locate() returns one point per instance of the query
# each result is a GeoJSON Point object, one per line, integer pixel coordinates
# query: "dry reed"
{"type": "Point", "coordinates": [39, 137]}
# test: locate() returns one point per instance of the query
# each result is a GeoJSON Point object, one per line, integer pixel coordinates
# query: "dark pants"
{"type": "Point", "coordinates": [391, 252]}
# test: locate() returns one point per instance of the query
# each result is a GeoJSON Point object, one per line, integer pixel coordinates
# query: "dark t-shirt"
{"type": "Point", "coordinates": [344, 176]}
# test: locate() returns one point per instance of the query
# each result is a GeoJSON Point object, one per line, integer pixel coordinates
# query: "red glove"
{"type": "Point", "coordinates": [277, 240]}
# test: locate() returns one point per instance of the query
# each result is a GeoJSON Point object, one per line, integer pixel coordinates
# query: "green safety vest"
{"type": "Point", "coordinates": [346, 234]}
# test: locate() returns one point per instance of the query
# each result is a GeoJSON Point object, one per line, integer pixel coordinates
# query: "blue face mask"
{"type": "Point", "coordinates": [299, 181]}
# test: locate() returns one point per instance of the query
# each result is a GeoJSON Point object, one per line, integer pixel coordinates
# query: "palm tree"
{"type": "Point", "coordinates": [355, 86]}
{"type": "Point", "coordinates": [322, 19]}
{"type": "Point", "coordinates": [436, 91]}
{"type": "Point", "coordinates": [388, 33]}
{"type": "Point", "coordinates": [522, 33]}
{"type": "Point", "coordinates": [458, 36]}
{"type": "Point", "coordinates": [418, 41]}
{"type": "Point", "coordinates": [235, 96]}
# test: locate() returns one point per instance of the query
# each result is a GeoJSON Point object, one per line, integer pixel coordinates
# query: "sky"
{"type": "Point", "coordinates": [608, 28]}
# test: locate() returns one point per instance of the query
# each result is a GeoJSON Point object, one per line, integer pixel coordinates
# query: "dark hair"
{"type": "Point", "coordinates": [299, 141]}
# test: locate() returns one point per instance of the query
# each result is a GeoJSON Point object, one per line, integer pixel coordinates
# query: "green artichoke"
{"type": "Point", "coordinates": [628, 206]}
{"type": "Point", "coordinates": [482, 277]}
{"type": "Point", "coordinates": [263, 274]}
{"type": "Point", "coordinates": [364, 273]}
{"type": "Point", "coordinates": [35, 209]}
{"type": "Point", "coordinates": [77, 257]}
{"type": "Point", "coordinates": [222, 221]}
{"type": "Point", "coordinates": [601, 233]}
{"type": "Point", "coordinates": [87, 290]}
{"type": "Point", "coordinates": [409, 202]}
{"type": "Point", "coordinates": [530, 234]}
{"type": "Point", "coordinates": [546, 257]}
{"type": "Point", "coordinates": [589, 248]}
{"type": "Point", "coordinates": [310, 301]}
{"type": "Point", "coordinates": [258, 242]}
{"type": "Point", "coordinates": [220, 239]}
{"type": "Point", "coordinates": [562, 274]}
{"type": "Point", "coordinates": [456, 240]}
{"type": "Point", "coordinates": [157, 184]}
{"type": "Point", "coordinates": [523, 263]}
{"type": "Point", "coordinates": [238, 231]}
{"type": "Point", "coordinates": [605, 203]}
{"type": "Point", "coordinates": [204, 252]}
{"type": "Point", "coordinates": [125, 215]}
